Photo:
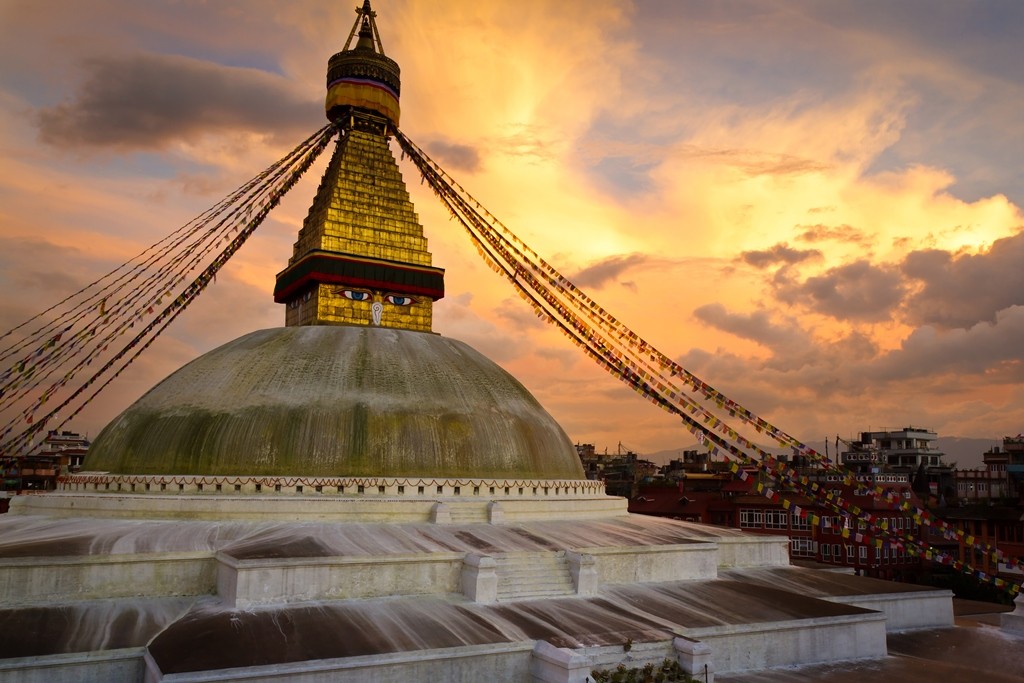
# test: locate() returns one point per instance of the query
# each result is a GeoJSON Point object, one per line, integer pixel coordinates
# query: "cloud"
{"type": "Point", "coordinates": [521, 315]}
{"type": "Point", "coordinates": [455, 156]}
{"type": "Point", "coordinates": [531, 141]}
{"type": "Point", "coordinates": [147, 101]}
{"type": "Point", "coordinates": [991, 349]}
{"type": "Point", "coordinates": [830, 233]}
{"type": "Point", "coordinates": [959, 291]}
{"type": "Point", "coordinates": [857, 291]}
{"type": "Point", "coordinates": [756, 326]}
{"type": "Point", "coordinates": [780, 253]}
{"type": "Point", "coordinates": [598, 274]}
{"type": "Point", "coordinates": [754, 162]}
{"type": "Point", "coordinates": [27, 268]}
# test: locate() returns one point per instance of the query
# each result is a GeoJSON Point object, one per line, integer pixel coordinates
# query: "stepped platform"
{"type": "Point", "coordinates": [544, 600]}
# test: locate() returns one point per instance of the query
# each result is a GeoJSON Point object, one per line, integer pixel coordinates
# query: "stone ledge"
{"type": "Point", "coordinates": [644, 564]}
{"type": "Point", "coordinates": [906, 610]}
{"type": "Point", "coordinates": [318, 507]}
{"type": "Point", "coordinates": [244, 584]}
{"type": "Point", "coordinates": [498, 661]}
{"type": "Point", "coordinates": [30, 580]}
{"type": "Point", "coordinates": [126, 664]}
{"type": "Point", "coordinates": [738, 647]}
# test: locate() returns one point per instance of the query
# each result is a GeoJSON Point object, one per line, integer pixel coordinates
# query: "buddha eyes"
{"type": "Point", "coordinates": [396, 299]}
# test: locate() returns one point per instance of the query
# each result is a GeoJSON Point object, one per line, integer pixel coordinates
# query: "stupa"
{"type": "Point", "coordinates": [353, 497]}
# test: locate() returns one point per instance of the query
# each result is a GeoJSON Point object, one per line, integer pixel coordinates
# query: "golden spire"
{"type": "Point", "coordinates": [361, 257]}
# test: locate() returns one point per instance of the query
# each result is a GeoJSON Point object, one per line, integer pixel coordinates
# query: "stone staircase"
{"type": "Point", "coordinates": [468, 513]}
{"type": "Point", "coordinates": [525, 576]}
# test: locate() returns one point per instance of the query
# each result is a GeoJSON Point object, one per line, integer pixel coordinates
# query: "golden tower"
{"type": "Point", "coordinates": [361, 257]}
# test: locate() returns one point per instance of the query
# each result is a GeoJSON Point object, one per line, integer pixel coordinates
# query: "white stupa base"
{"type": "Point", "coordinates": [375, 499]}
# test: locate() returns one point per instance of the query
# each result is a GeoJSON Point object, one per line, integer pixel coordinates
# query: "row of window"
{"type": "Point", "coordinates": [834, 552]}
{"type": "Point", "coordinates": [753, 518]}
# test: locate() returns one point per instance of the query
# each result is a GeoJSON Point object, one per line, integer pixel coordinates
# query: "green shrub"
{"type": "Point", "coordinates": [668, 671]}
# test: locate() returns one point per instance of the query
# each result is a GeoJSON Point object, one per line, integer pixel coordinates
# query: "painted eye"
{"type": "Point", "coordinates": [399, 300]}
{"type": "Point", "coordinates": [355, 295]}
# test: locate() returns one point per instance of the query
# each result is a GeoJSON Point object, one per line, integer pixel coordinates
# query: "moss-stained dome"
{"type": "Point", "coordinates": [338, 401]}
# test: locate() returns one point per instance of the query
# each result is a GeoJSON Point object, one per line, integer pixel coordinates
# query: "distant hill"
{"type": "Point", "coordinates": [964, 451]}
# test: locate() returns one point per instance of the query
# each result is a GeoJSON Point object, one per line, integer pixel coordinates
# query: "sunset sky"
{"type": "Point", "coordinates": [814, 206]}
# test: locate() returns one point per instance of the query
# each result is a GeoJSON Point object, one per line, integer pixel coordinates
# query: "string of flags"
{"type": "Point", "coordinates": [112, 320]}
{"type": "Point", "coordinates": [657, 378]}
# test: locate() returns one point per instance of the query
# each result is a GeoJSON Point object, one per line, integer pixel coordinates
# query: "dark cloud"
{"type": "Point", "coordinates": [831, 233]}
{"type": "Point", "coordinates": [991, 349]}
{"type": "Point", "coordinates": [779, 253]}
{"type": "Point", "coordinates": [146, 101]}
{"type": "Point", "coordinates": [27, 270]}
{"type": "Point", "coordinates": [454, 156]}
{"type": "Point", "coordinates": [856, 291]}
{"type": "Point", "coordinates": [960, 291]}
{"type": "Point", "coordinates": [756, 326]}
{"type": "Point", "coordinates": [598, 274]}
{"type": "Point", "coordinates": [793, 348]}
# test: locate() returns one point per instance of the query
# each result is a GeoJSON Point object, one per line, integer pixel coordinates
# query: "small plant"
{"type": "Point", "coordinates": [628, 645]}
{"type": "Point", "coordinates": [668, 671]}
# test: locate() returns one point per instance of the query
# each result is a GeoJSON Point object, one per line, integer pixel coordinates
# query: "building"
{"type": "Point", "coordinates": [698, 490]}
{"type": "Point", "coordinates": [989, 506]}
{"type": "Point", "coordinates": [1007, 461]}
{"type": "Point", "coordinates": [60, 452]}
{"type": "Point", "coordinates": [910, 451]}
{"type": "Point", "coordinates": [981, 485]}
{"type": "Point", "coordinates": [622, 472]}
{"type": "Point", "coordinates": [70, 447]}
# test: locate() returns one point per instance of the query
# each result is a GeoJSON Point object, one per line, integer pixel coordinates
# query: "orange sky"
{"type": "Point", "coordinates": [815, 207]}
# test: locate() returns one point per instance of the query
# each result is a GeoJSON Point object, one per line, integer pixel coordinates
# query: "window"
{"type": "Point", "coordinates": [775, 519]}
{"type": "Point", "coordinates": [799, 523]}
{"type": "Point", "coordinates": [751, 519]}
{"type": "Point", "coordinates": [826, 551]}
{"type": "Point", "coordinates": [836, 552]}
{"type": "Point", "coordinates": [849, 553]}
{"type": "Point", "coordinates": [802, 547]}
{"type": "Point", "coordinates": [863, 553]}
